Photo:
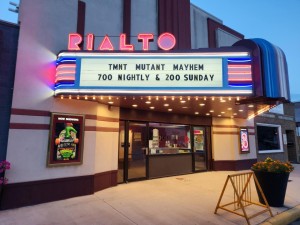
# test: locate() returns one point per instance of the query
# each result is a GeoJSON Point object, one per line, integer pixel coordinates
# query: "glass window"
{"type": "Point", "coordinates": [169, 138]}
{"type": "Point", "coordinates": [298, 131]}
{"type": "Point", "coordinates": [269, 138]}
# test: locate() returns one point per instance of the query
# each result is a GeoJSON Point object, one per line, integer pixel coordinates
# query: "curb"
{"type": "Point", "coordinates": [285, 217]}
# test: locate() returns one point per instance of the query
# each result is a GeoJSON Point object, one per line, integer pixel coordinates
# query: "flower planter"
{"type": "Point", "coordinates": [274, 187]}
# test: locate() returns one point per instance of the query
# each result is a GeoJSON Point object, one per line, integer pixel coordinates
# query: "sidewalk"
{"type": "Point", "coordinates": [187, 199]}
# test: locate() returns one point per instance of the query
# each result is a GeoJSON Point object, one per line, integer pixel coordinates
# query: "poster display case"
{"type": "Point", "coordinates": [65, 139]}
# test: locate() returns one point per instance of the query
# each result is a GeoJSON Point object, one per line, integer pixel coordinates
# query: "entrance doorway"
{"type": "Point", "coordinates": [291, 146]}
{"type": "Point", "coordinates": [178, 149]}
{"type": "Point", "coordinates": [200, 153]}
{"type": "Point", "coordinates": [133, 148]}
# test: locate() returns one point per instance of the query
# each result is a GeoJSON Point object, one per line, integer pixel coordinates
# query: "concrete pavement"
{"type": "Point", "coordinates": [185, 199]}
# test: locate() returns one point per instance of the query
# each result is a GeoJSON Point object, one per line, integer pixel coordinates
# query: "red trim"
{"type": "Point", "coordinates": [232, 126]}
{"type": "Point", "coordinates": [29, 126]}
{"type": "Point", "coordinates": [36, 192]}
{"type": "Point", "coordinates": [30, 112]}
{"type": "Point", "coordinates": [230, 132]}
{"type": "Point", "coordinates": [101, 118]}
{"type": "Point", "coordinates": [233, 165]}
{"type": "Point", "coordinates": [127, 19]}
{"type": "Point", "coordinates": [174, 17]}
{"type": "Point", "coordinates": [212, 26]}
{"type": "Point", "coordinates": [103, 129]}
{"type": "Point", "coordinates": [81, 20]}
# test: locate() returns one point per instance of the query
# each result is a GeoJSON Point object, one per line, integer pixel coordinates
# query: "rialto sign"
{"type": "Point", "coordinates": [100, 70]}
{"type": "Point", "coordinates": [165, 41]}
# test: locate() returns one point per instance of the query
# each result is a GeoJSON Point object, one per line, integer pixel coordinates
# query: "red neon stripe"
{"type": "Point", "coordinates": [239, 66]}
{"type": "Point", "coordinates": [66, 66]}
{"type": "Point", "coordinates": [239, 73]}
{"type": "Point", "coordinates": [239, 79]}
{"type": "Point", "coordinates": [64, 78]}
{"type": "Point", "coordinates": [65, 72]}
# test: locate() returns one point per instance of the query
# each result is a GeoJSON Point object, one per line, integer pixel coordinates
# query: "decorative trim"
{"type": "Point", "coordinates": [81, 19]}
{"type": "Point", "coordinates": [232, 126]}
{"type": "Point", "coordinates": [127, 19]}
{"type": "Point", "coordinates": [105, 180]}
{"type": "Point", "coordinates": [230, 133]}
{"type": "Point", "coordinates": [174, 17]}
{"type": "Point", "coordinates": [101, 118]}
{"type": "Point", "coordinates": [30, 112]}
{"type": "Point", "coordinates": [234, 165]}
{"type": "Point", "coordinates": [103, 129]}
{"type": "Point", "coordinates": [36, 192]}
{"type": "Point", "coordinates": [29, 126]}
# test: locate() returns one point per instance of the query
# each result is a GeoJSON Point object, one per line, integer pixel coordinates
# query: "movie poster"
{"type": "Point", "coordinates": [66, 139]}
{"type": "Point", "coordinates": [244, 140]}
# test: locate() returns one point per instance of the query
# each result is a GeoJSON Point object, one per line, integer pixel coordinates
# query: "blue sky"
{"type": "Point", "coordinates": [276, 21]}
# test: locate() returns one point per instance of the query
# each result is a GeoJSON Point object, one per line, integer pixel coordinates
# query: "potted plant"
{"type": "Point", "coordinates": [4, 165]}
{"type": "Point", "coordinates": [272, 176]}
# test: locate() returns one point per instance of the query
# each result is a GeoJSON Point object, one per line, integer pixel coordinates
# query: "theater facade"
{"type": "Point", "coordinates": [115, 91]}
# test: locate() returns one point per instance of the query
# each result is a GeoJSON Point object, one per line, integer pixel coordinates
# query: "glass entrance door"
{"type": "Point", "coordinates": [200, 153]}
{"type": "Point", "coordinates": [133, 149]}
{"type": "Point", "coordinates": [137, 150]}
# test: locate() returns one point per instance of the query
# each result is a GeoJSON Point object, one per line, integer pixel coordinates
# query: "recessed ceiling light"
{"type": "Point", "coordinates": [152, 107]}
{"type": "Point", "coordinates": [110, 103]}
{"type": "Point", "coordinates": [240, 110]}
{"type": "Point", "coordinates": [211, 111]}
{"type": "Point", "coordinates": [229, 108]}
{"type": "Point", "coordinates": [148, 102]}
{"type": "Point", "coordinates": [170, 110]}
{"type": "Point", "coordinates": [196, 113]}
{"type": "Point", "coordinates": [134, 105]}
{"type": "Point", "coordinates": [202, 104]}
{"type": "Point", "coordinates": [166, 105]}
{"type": "Point", "coordinates": [185, 107]}
{"type": "Point", "coordinates": [223, 101]}
{"type": "Point", "coordinates": [234, 114]}
{"type": "Point", "coordinates": [222, 112]}
{"type": "Point", "coordinates": [219, 115]}
{"type": "Point", "coordinates": [250, 106]}
{"type": "Point", "coordinates": [183, 101]}
{"type": "Point", "coordinates": [207, 114]}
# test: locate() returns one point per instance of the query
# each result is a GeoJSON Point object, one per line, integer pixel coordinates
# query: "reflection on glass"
{"type": "Point", "coordinates": [169, 138]}
{"type": "Point", "coordinates": [121, 152]}
{"type": "Point", "coordinates": [137, 150]}
{"type": "Point", "coordinates": [199, 146]}
{"type": "Point", "coordinates": [268, 138]}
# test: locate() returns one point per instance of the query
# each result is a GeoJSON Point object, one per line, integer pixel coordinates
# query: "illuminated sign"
{"type": "Point", "coordinates": [165, 41]}
{"type": "Point", "coordinates": [189, 73]}
{"type": "Point", "coordinates": [244, 140]}
{"type": "Point", "coordinates": [151, 72]}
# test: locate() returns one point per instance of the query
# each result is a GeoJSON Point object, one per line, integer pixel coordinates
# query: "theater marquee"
{"type": "Point", "coordinates": [154, 73]}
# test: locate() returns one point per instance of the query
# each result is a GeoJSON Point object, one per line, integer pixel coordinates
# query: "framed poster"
{"type": "Point", "coordinates": [65, 139]}
{"type": "Point", "coordinates": [244, 140]}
